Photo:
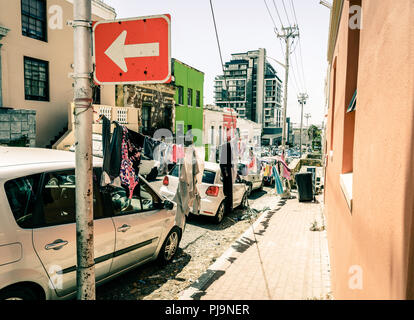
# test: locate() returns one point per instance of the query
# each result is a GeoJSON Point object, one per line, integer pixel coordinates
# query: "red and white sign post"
{"type": "Point", "coordinates": [133, 51]}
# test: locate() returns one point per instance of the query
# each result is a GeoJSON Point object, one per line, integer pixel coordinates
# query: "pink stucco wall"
{"type": "Point", "coordinates": [377, 234]}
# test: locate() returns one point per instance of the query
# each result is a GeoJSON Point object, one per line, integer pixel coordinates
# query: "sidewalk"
{"type": "Point", "coordinates": [281, 259]}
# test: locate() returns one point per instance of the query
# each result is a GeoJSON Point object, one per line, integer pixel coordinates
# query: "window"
{"type": "Point", "coordinates": [174, 172]}
{"type": "Point", "coordinates": [146, 120]}
{"type": "Point", "coordinates": [351, 85]}
{"type": "Point", "coordinates": [58, 199]}
{"type": "Point", "coordinates": [150, 200]}
{"type": "Point", "coordinates": [36, 79]}
{"type": "Point", "coordinates": [212, 135]}
{"type": "Point", "coordinates": [121, 204]}
{"type": "Point", "coordinates": [34, 20]}
{"type": "Point", "coordinates": [333, 104]}
{"type": "Point", "coordinates": [190, 97]}
{"type": "Point", "coordinates": [143, 199]}
{"type": "Point", "coordinates": [197, 98]}
{"type": "Point", "coordinates": [96, 94]}
{"type": "Point", "coordinates": [352, 104]}
{"type": "Point", "coordinates": [21, 194]}
{"type": "Point", "coordinates": [220, 135]}
{"type": "Point", "coordinates": [53, 203]}
{"type": "Point", "coordinates": [180, 90]}
{"type": "Point", "coordinates": [208, 177]}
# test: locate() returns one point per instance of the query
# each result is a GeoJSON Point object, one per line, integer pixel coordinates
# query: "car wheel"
{"type": "Point", "coordinates": [18, 293]}
{"type": "Point", "coordinates": [170, 246]}
{"type": "Point", "coordinates": [220, 213]}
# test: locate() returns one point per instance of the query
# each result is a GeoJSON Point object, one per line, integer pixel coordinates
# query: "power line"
{"type": "Point", "coordinates": [277, 11]}
{"type": "Point", "coordinates": [301, 61]}
{"type": "Point", "coordinates": [287, 16]}
{"type": "Point", "coordinates": [299, 72]}
{"type": "Point", "coordinates": [270, 14]}
{"type": "Point", "coordinates": [219, 48]}
{"type": "Point", "coordinates": [300, 46]}
{"type": "Point", "coordinates": [294, 11]}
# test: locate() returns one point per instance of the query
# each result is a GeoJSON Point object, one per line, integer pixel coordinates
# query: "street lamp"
{"type": "Point", "coordinates": [302, 97]}
{"type": "Point", "coordinates": [326, 4]}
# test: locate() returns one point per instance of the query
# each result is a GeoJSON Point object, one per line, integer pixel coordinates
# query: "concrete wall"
{"type": "Point", "coordinates": [16, 125]}
{"type": "Point", "coordinates": [51, 116]}
{"type": "Point", "coordinates": [371, 245]}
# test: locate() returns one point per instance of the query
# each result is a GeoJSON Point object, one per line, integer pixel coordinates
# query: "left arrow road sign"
{"type": "Point", "coordinates": [133, 51]}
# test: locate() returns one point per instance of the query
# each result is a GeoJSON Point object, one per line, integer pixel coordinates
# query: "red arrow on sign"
{"type": "Point", "coordinates": [133, 50]}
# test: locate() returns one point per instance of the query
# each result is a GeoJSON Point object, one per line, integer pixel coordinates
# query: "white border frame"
{"type": "Point", "coordinates": [133, 19]}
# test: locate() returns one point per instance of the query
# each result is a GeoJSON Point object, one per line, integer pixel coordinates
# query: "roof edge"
{"type": "Point", "coordinates": [334, 24]}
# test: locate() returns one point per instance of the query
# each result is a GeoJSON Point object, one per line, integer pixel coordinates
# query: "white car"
{"type": "Point", "coordinates": [253, 181]}
{"type": "Point", "coordinates": [211, 191]}
{"type": "Point", "coordinates": [38, 230]}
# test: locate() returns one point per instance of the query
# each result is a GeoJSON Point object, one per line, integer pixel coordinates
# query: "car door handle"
{"type": "Point", "coordinates": [124, 228]}
{"type": "Point", "coordinates": [56, 245]}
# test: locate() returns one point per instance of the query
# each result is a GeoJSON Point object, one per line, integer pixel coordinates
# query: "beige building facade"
{"type": "Point", "coordinates": [36, 61]}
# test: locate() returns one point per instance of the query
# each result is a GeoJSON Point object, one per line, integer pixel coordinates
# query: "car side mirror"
{"type": "Point", "coordinates": [168, 205]}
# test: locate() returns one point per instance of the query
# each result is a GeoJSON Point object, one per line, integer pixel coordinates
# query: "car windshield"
{"type": "Point", "coordinates": [208, 177]}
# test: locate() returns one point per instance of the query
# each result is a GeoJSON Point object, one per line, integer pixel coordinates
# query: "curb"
{"type": "Point", "coordinates": [219, 267]}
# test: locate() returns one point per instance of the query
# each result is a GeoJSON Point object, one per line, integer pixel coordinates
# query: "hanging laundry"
{"type": "Point", "coordinates": [161, 157]}
{"type": "Point", "coordinates": [226, 173]}
{"type": "Point", "coordinates": [181, 197]}
{"type": "Point", "coordinates": [112, 154]}
{"type": "Point", "coordinates": [150, 145]}
{"type": "Point", "coordinates": [267, 171]}
{"type": "Point", "coordinates": [278, 181]}
{"type": "Point", "coordinates": [178, 152]}
{"type": "Point", "coordinates": [129, 164]}
{"type": "Point", "coordinates": [213, 154]}
{"type": "Point", "coordinates": [286, 170]}
{"type": "Point", "coordinates": [195, 198]}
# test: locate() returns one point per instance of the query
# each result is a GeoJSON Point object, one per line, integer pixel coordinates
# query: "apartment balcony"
{"type": "Point", "coordinates": [126, 116]}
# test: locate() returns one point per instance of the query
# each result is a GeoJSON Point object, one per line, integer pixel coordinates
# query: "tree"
{"type": "Point", "coordinates": [315, 135]}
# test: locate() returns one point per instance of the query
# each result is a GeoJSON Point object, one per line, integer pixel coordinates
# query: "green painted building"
{"type": "Point", "coordinates": [189, 85]}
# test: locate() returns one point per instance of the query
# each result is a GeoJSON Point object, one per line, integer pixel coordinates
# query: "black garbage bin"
{"type": "Point", "coordinates": [305, 186]}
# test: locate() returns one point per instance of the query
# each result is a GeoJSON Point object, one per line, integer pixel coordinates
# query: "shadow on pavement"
{"type": "Point", "coordinates": [207, 222]}
{"type": "Point", "coordinates": [142, 281]}
{"type": "Point", "coordinates": [256, 194]}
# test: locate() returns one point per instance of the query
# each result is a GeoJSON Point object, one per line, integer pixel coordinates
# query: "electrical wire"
{"type": "Point", "coordinates": [300, 47]}
{"type": "Point", "coordinates": [270, 14]}
{"type": "Point", "coordinates": [287, 16]}
{"type": "Point", "coordinates": [278, 14]}
{"type": "Point", "coordinates": [221, 60]}
{"type": "Point", "coordinates": [294, 12]}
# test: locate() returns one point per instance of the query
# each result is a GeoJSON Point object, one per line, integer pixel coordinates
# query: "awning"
{"type": "Point", "coordinates": [352, 105]}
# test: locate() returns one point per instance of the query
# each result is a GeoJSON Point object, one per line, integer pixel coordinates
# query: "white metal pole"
{"type": "Point", "coordinates": [301, 125]}
{"type": "Point", "coordinates": [85, 273]}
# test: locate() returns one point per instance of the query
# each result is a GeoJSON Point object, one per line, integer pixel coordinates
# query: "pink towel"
{"type": "Point", "coordinates": [285, 171]}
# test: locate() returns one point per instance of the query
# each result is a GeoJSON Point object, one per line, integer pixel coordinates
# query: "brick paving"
{"type": "Point", "coordinates": [281, 260]}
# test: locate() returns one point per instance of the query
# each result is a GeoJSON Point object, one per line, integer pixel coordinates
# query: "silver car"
{"type": "Point", "coordinates": [38, 229]}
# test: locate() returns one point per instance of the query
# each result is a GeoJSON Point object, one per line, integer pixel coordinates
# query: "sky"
{"type": "Point", "coordinates": [245, 25]}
